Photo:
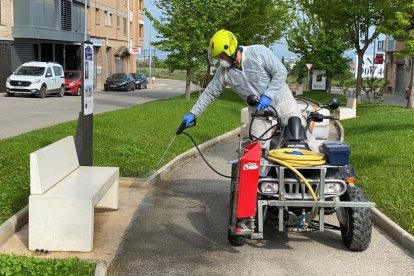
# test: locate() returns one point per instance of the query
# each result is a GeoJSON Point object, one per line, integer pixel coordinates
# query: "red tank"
{"type": "Point", "coordinates": [248, 181]}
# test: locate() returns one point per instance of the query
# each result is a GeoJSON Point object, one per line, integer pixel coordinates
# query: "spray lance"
{"type": "Point", "coordinates": [180, 130]}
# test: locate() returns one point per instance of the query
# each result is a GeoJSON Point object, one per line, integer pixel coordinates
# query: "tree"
{"type": "Point", "coordinates": [316, 44]}
{"type": "Point", "coordinates": [186, 26]}
{"type": "Point", "coordinates": [401, 26]}
{"type": "Point", "coordinates": [357, 20]}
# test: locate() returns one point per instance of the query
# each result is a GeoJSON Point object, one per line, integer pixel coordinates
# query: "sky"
{"type": "Point", "coordinates": [280, 48]}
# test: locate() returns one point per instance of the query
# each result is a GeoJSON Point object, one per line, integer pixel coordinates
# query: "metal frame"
{"type": "Point", "coordinates": [321, 203]}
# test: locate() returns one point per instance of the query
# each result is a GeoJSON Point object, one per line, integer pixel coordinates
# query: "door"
{"type": "Point", "coordinates": [400, 85]}
{"type": "Point", "coordinates": [50, 79]}
{"type": "Point", "coordinates": [59, 76]}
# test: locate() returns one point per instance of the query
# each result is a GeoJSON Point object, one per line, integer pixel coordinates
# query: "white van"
{"type": "Point", "coordinates": [37, 78]}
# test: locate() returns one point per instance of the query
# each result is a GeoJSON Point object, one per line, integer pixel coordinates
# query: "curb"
{"type": "Point", "coordinates": [101, 269]}
{"type": "Point", "coordinates": [13, 224]}
{"type": "Point", "coordinates": [393, 230]}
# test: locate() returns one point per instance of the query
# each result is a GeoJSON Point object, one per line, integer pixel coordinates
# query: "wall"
{"type": "Point", "coordinates": [6, 20]}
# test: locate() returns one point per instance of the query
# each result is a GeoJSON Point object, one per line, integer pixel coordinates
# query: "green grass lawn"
{"type": "Point", "coordinates": [16, 266]}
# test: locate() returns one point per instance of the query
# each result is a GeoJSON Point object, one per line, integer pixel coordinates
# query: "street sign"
{"type": "Point", "coordinates": [379, 59]}
{"type": "Point", "coordinates": [135, 50]}
{"type": "Point", "coordinates": [309, 66]}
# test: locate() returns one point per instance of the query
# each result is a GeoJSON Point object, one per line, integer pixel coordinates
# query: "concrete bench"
{"type": "Point", "coordinates": [63, 196]}
{"type": "Point", "coordinates": [348, 112]}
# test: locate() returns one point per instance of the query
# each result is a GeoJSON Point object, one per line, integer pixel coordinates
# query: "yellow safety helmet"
{"type": "Point", "coordinates": [222, 42]}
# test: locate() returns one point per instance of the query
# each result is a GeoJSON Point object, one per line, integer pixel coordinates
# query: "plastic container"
{"type": "Point", "coordinates": [336, 153]}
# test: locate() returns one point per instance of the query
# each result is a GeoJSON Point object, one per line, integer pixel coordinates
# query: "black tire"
{"type": "Point", "coordinates": [235, 240]}
{"type": "Point", "coordinates": [43, 91]}
{"type": "Point", "coordinates": [140, 86]}
{"type": "Point", "coordinates": [356, 227]}
{"type": "Point", "coordinates": [10, 94]}
{"type": "Point", "coordinates": [61, 91]}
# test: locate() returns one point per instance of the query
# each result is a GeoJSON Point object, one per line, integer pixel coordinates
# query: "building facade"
{"type": "Point", "coordinates": [6, 39]}
{"type": "Point", "coordinates": [398, 70]}
{"type": "Point", "coordinates": [53, 30]}
{"type": "Point", "coordinates": [115, 27]}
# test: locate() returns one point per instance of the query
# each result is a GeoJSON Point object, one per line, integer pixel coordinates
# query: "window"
{"type": "Point", "coordinates": [118, 21]}
{"type": "Point", "coordinates": [66, 15]}
{"type": "Point", "coordinates": [97, 17]}
{"type": "Point", "coordinates": [57, 70]}
{"type": "Point", "coordinates": [141, 30]}
{"type": "Point", "coordinates": [108, 18]}
{"type": "Point", "coordinates": [49, 72]}
{"type": "Point", "coordinates": [125, 2]}
{"type": "Point", "coordinates": [141, 5]}
{"type": "Point", "coordinates": [125, 26]}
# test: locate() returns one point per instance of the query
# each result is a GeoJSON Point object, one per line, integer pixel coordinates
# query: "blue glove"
{"type": "Point", "coordinates": [188, 119]}
{"type": "Point", "coordinates": [264, 102]}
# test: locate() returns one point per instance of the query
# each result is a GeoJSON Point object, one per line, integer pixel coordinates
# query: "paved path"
{"type": "Point", "coordinates": [393, 99]}
{"type": "Point", "coordinates": [180, 228]}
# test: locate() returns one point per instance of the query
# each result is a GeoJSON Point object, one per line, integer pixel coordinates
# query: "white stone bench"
{"type": "Point", "coordinates": [63, 196]}
{"type": "Point", "coordinates": [348, 112]}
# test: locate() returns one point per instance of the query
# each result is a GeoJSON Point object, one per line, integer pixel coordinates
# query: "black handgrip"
{"type": "Point", "coordinates": [263, 113]}
{"type": "Point", "coordinates": [182, 126]}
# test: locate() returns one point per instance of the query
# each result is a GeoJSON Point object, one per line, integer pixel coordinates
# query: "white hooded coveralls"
{"type": "Point", "coordinates": [261, 74]}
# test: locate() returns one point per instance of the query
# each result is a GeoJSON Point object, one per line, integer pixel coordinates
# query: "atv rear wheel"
{"type": "Point", "coordinates": [355, 223]}
{"type": "Point", "coordinates": [235, 240]}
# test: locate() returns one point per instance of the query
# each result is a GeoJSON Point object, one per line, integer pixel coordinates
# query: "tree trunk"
{"type": "Point", "coordinates": [410, 103]}
{"type": "Point", "coordinates": [188, 83]}
{"type": "Point", "coordinates": [328, 85]}
{"type": "Point", "coordinates": [359, 77]}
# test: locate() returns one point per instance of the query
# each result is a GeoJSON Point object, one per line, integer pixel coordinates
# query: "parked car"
{"type": "Point", "coordinates": [37, 78]}
{"type": "Point", "coordinates": [120, 81]}
{"type": "Point", "coordinates": [141, 80]}
{"type": "Point", "coordinates": [73, 83]}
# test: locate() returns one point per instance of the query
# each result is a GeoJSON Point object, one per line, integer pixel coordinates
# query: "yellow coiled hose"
{"type": "Point", "coordinates": [291, 158]}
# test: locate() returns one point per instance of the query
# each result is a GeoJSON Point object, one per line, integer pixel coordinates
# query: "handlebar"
{"type": "Point", "coordinates": [317, 117]}
{"type": "Point", "coordinates": [265, 113]}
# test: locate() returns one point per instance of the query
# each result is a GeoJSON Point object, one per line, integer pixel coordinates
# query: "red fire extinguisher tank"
{"type": "Point", "coordinates": [248, 181]}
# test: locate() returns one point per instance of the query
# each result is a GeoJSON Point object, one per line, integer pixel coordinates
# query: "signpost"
{"type": "Point", "coordinates": [309, 67]}
{"type": "Point", "coordinates": [84, 131]}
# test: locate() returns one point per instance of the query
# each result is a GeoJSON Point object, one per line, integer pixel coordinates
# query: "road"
{"type": "Point", "coordinates": [180, 228]}
{"type": "Point", "coordinates": [22, 114]}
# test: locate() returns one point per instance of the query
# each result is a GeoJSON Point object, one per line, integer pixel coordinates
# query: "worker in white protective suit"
{"type": "Point", "coordinates": [248, 70]}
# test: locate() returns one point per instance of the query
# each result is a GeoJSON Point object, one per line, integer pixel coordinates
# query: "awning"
{"type": "Point", "coordinates": [122, 51]}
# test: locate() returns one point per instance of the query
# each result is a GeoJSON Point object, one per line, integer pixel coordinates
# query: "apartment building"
{"type": "Point", "coordinates": [398, 69]}
{"type": "Point", "coordinates": [6, 39]}
{"type": "Point", "coordinates": [115, 27]}
{"type": "Point", "coordinates": [53, 30]}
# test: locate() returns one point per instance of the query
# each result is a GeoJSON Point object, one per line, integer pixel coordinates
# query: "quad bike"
{"type": "Point", "coordinates": [267, 187]}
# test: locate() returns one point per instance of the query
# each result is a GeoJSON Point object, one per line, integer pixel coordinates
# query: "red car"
{"type": "Point", "coordinates": [73, 82]}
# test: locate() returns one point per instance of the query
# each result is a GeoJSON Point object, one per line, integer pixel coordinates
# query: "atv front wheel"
{"type": "Point", "coordinates": [355, 223]}
{"type": "Point", "coordinates": [235, 240]}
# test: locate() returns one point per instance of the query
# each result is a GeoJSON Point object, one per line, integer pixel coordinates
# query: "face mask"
{"type": "Point", "coordinates": [225, 63]}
